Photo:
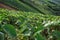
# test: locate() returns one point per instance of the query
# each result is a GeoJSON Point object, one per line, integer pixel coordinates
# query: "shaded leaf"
{"type": "Point", "coordinates": [39, 37]}
{"type": "Point", "coordinates": [10, 30]}
{"type": "Point", "coordinates": [1, 36]}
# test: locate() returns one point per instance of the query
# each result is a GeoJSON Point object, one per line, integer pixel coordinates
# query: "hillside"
{"type": "Point", "coordinates": [38, 6]}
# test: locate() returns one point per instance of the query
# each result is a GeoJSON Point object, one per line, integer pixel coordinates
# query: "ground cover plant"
{"type": "Point", "coordinates": [19, 25]}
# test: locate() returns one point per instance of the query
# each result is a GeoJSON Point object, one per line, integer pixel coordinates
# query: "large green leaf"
{"type": "Point", "coordinates": [10, 30]}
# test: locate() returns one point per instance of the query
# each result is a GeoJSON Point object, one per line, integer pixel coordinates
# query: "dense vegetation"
{"type": "Point", "coordinates": [30, 20]}
{"type": "Point", "coordinates": [20, 25]}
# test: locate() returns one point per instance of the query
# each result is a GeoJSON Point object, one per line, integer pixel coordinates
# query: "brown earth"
{"type": "Point", "coordinates": [6, 7]}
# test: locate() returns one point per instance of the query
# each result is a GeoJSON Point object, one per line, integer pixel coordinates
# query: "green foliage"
{"type": "Point", "coordinates": [1, 36]}
{"type": "Point", "coordinates": [30, 24]}
{"type": "Point", "coordinates": [39, 37]}
{"type": "Point", "coordinates": [10, 30]}
{"type": "Point", "coordinates": [18, 25]}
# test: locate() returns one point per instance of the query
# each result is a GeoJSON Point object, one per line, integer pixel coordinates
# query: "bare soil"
{"type": "Point", "coordinates": [6, 7]}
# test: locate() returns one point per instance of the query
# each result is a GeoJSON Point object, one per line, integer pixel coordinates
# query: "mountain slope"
{"type": "Point", "coordinates": [38, 6]}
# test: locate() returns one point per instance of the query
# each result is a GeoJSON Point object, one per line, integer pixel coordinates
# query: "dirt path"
{"type": "Point", "coordinates": [6, 7]}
